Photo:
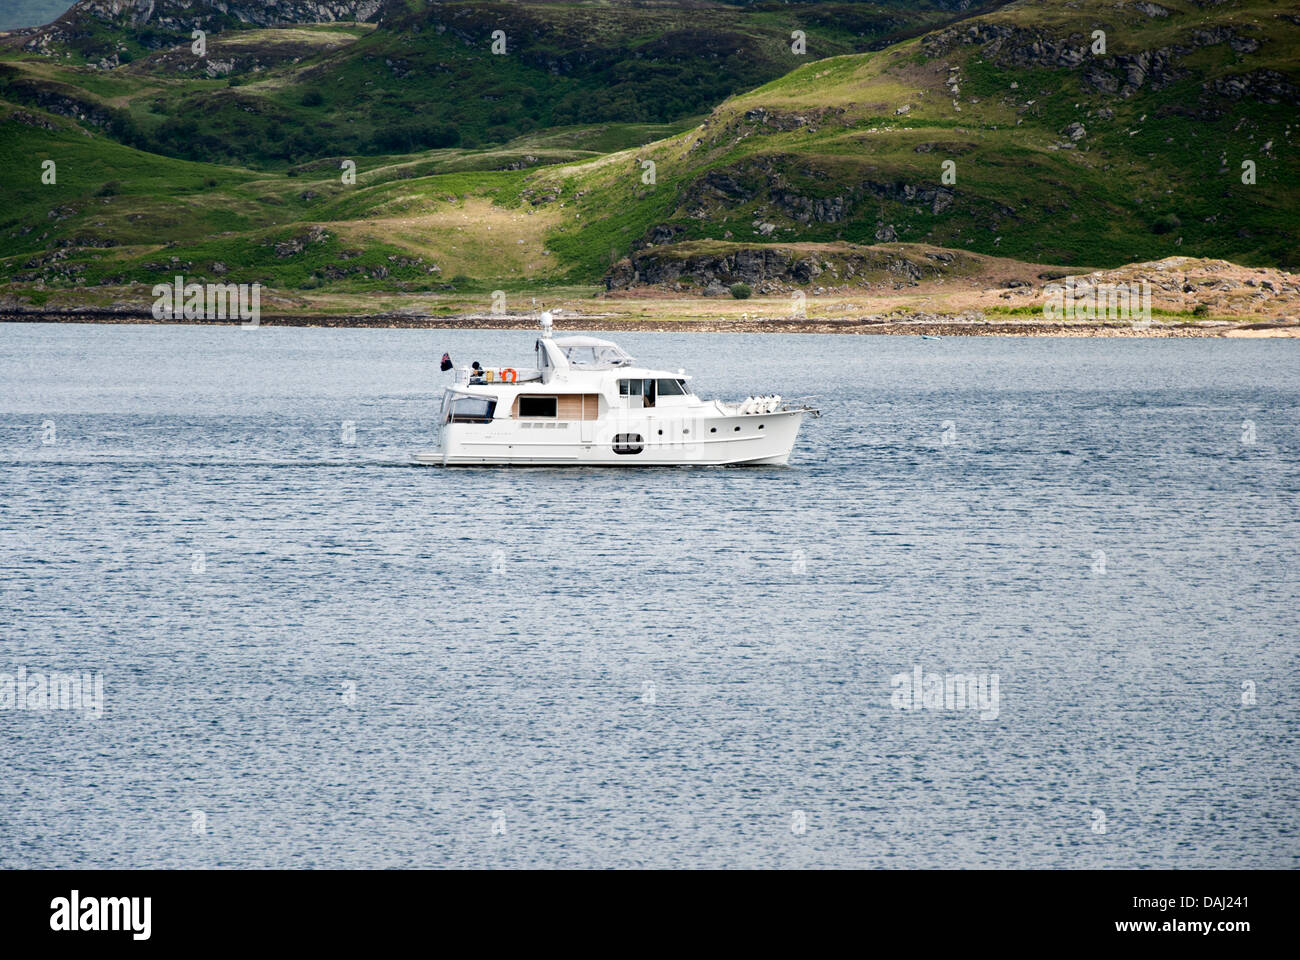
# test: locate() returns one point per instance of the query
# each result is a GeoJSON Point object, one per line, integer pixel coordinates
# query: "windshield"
{"type": "Point", "coordinates": [592, 356]}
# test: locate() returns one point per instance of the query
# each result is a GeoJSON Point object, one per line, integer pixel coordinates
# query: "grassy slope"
{"type": "Point", "coordinates": [426, 76]}
{"type": "Point", "coordinates": [123, 215]}
{"type": "Point", "coordinates": [1015, 196]}
{"type": "Point", "coordinates": [117, 214]}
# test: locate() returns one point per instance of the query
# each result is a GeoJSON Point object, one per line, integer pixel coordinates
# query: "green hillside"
{"type": "Point", "coordinates": [853, 148]}
{"type": "Point", "coordinates": [1061, 156]}
{"type": "Point", "coordinates": [424, 75]}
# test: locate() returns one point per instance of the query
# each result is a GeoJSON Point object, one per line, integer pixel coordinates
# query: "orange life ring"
{"type": "Point", "coordinates": [510, 375]}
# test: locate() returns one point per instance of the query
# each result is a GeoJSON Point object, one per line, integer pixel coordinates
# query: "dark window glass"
{"type": "Point", "coordinates": [671, 388]}
{"type": "Point", "coordinates": [472, 410]}
{"type": "Point", "coordinates": [538, 406]}
{"type": "Point", "coordinates": [627, 443]}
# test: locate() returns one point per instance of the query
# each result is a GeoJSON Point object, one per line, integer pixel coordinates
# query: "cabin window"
{"type": "Point", "coordinates": [672, 388]}
{"type": "Point", "coordinates": [645, 389]}
{"type": "Point", "coordinates": [472, 410]}
{"type": "Point", "coordinates": [538, 406]}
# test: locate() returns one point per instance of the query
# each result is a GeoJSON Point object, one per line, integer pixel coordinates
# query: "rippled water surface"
{"type": "Point", "coordinates": [316, 655]}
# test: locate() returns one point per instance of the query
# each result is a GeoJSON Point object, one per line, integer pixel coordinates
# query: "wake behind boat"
{"type": "Point", "coordinates": [587, 403]}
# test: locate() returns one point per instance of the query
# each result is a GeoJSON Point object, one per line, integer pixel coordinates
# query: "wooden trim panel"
{"type": "Point", "coordinates": [569, 406]}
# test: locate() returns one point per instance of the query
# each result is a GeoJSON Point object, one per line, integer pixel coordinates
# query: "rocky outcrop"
{"type": "Point", "coordinates": [186, 15]}
{"type": "Point", "coordinates": [1122, 75]}
{"type": "Point", "coordinates": [796, 188]}
{"type": "Point", "coordinates": [1183, 283]}
{"type": "Point", "coordinates": [1008, 45]}
{"type": "Point", "coordinates": [661, 234]}
{"type": "Point", "coordinates": [775, 121]}
{"type": "Point", "coordinates": [1153, 10]}
{"type": "Point", "coordinates": [228, 54]}
{"type": "Point", "coordinates": [32, 120]}
{"type": "Point", "coordinates": [814, 209]}
{"type": "Point", "coordinates": [162, 23]}
{"type": "Point", "coordinates": [55, 98]}
{"type": "Point", "coordinates": [710, 266]}
{"type": "Point", "coordinates": [1264, 86]}
{"type": "Point", "coordinates": [299, 243]}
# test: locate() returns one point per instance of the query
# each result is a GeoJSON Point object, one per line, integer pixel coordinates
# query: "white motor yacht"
{"type": "Point", "coordinates": [586, 402]}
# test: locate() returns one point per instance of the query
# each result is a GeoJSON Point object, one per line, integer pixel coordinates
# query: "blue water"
{"type": "Point", "coordinates": [378, 665]}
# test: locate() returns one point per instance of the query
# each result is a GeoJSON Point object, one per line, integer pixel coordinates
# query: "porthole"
{"type": "Point", "coordinates": [738, 429]}
{"type": "Point", "coordinates": [628, 443]}
{"type": "Point", "coordinates": [761, 426]}
{"type": "Point", "coordinates": [713, 430]}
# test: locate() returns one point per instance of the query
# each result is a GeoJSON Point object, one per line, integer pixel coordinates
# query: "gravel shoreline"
{"type": "Point", "coordinates": [935, 326]}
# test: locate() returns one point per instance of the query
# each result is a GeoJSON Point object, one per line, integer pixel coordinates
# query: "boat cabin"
{"type": "Point", "coordinates": [572, 376]}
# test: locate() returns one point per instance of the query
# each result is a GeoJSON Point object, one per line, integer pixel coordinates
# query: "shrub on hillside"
{"type": "Point", "coordinates": [1166, 224]}
{"type": "Point", "coordinates": [412, 137]}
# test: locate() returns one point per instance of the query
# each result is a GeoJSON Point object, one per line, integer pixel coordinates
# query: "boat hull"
{"type": "Point", "coordinates": [757, 440]}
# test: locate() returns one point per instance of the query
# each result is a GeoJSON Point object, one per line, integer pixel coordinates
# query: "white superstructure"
{"type": "Point", "coordinates": [586, 402]}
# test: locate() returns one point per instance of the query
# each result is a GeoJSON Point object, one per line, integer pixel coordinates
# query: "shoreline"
{"type": "Point", "coordinates": [868, 326]}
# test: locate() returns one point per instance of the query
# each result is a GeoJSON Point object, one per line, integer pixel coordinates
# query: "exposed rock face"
{"type": "Point", "coordinates": [31, 120]}
{"type": "Point", "coordinates": [814, 209]}
{"type": "Point", "coordinates": [655, 236]}
{"type": "Point", "coordinates": [186, 14]}
{"type": "Point", "coordinates": [54, 98]}
{"type": "Point", "coordinates": [773, 121]}
{"type": "Point", "coordinates": [1120, 74]}
{"type": "Point", "coordinates": [296, 245]}
{"type": "Point", "coordinates": [226, 55]}
{"type": "Point", "coordinates": [773, 268]}
{"type": "Point", "coordinates": [1181, 283]}
{"type": "Point", "coordinates": [161, 23]}
{"type": "Point", "coordinates": [773, 176]}
{"type": "Point", "coordinates": [1010, 46]}
{"type": "Point", "coordinates": [1151, 9]}
{"type": "Point", "coordinates": [1266, 86]}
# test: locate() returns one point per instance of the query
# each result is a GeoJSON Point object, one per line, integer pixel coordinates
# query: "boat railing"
{"type": "Point", "coordinates": [774, 403]}
{"type": "Point", "coordinates": [801, 405]}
